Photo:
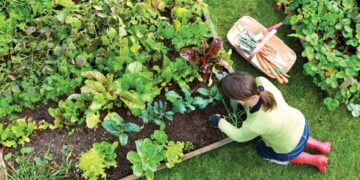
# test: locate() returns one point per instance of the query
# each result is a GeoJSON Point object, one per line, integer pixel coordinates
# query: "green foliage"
{"type": "Point", "coordinates": [146, 159]}
{"type": "Point", "coordinates": [330, 34]}
{"type": "Point", "coordinates": [234, 113]}
{"type": "Point", "coordinates": [160, 135]}
{"type": "Point", "coordinates": [103, 90]}
{"type": "Point", "coordinates": [156, 113]}
{"type": "Point", "coordinates": [29, 166]}
{"type": "Point", "coordinates": [207, 96]}
{"type": "Point", "coordinates": [173, 153]}
{"type": "Point", "coordinates": [100, 157]}
{"type": "Point", "coordinates": [178, 71]}
{"type": "Point", "coordinates": [48, 48]}
{"type": "Point", "coordinates": [115, 125]}
{"type": "Point", "coordinates": [16, 133]}
{"type": "Point", "coordinates": [69, 111]}
{"type": "Point", "coordinates": [137, 87]}
{"type": "Point", "coordinates": [186, 35]}
{"type": "Point", "coordinates": [179, 103]}
{"type": "Point", "coordinates": [188, 146]}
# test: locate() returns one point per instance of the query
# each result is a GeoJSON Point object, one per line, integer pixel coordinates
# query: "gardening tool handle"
{"type": "Point", "coordinates": [276, 26]}
{"type": "Point", "coordinates": [262, 44]}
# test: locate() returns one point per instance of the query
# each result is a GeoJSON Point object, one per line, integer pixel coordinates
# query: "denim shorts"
{"type": "Point", "coordinates": [268, 153]}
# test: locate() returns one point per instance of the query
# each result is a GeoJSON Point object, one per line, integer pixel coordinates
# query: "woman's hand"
{"type": "Point", "coordinates": [214, 119]}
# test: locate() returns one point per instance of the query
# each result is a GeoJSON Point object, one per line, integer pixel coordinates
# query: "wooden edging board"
{"type": "Point", "coordinates": [191, 155]}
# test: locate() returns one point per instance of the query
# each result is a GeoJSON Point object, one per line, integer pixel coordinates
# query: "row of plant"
{"type": "Point", "coordinates": [330, 33]}
{"type": "Point", "coordinates": [150, 152]}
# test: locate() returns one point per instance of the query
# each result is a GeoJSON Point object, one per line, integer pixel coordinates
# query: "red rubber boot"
{"type": "Point", "coordinates": [316, 160]}
{"type": "Point", "coordinates": [323, 147]}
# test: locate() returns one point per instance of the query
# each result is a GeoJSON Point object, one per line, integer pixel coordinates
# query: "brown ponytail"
{"type": "Point", "coordinates": [268, 102]}
{"type": "Point", "coordinates": [242, 86]}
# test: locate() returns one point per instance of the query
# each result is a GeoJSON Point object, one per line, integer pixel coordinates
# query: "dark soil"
{"type": "Point", "coordinates": [191, 127]}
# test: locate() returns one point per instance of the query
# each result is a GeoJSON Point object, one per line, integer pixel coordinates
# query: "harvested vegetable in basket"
{"type": "Point", "coordinates": [247, 40]}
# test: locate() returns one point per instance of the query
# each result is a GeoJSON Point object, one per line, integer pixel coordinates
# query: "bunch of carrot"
{"type": "Point", "coordinates": [264, 57]}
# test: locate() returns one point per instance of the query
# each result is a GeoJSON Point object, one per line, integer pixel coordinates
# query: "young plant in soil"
{"type": "Point", "coordinates": [207, 96]}
{"type": "Point", "coordinates": [205, 57]}
{"type": "Point", "coordinates": [94, 161]}
{"type": "Point", "coordinates": [115, 125]}
{"type": "Point", "coordinates": [146, 159]}
{"type": "Point", "coordinates": [16, 133]}
{"type": "Point", "coordinates": [156, 113]}
{"type": "Point", "coordinates": [235, 115]}
{"type": "Point", "coordinates": [180, 104]}
{"type": "Point", "coordinates": [150, 152]}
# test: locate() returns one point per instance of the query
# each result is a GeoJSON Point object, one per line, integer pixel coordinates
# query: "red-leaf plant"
{"type": "Point", "coordinates": [203, 57]}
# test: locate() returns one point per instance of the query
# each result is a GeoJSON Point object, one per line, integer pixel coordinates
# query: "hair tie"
{"type": "Point", "coordinates": [260, 89]}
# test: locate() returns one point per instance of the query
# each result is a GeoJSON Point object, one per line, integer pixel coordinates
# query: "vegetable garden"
{"type": "Point", "coordinates": [103, 89]}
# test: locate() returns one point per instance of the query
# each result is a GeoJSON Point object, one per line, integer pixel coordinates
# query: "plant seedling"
{"type": "Point", "coordinates": [115, 125]}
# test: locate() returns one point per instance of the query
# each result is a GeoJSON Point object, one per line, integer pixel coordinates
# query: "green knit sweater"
{"type": "Point", "coordinates": [281, 128]}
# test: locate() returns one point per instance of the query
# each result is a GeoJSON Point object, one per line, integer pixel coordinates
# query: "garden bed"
{"type": "Point", "coordinates": [191, 127]}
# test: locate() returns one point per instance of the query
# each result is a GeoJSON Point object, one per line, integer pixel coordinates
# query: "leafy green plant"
{"type": "Point", "coordinates": [137, 87]}
{"type": "Point", "coordinates": [179, 103]}
{"type": "Point", "coordinates": [330, 35]}
{"type": "Point", "coordinates": [69, 111]}
{"type": "Point", "coordinates": [103, 90]}
{"type": "Point", "coordinates": [156, 112]}
{"type": "Point", "coordinates": [178, 71]}
{"type": "Point", "coordinates": [208, 96]}
{"type": "Point", "coordinates": [16, 133]}
{"type": "Point", "coordinates": [173, 153]}
{"type": "Point", "coordinates": [146, 159]}
{"type": "Point", "coordinates": [94, 161]}
{"type": "Point", "coordinates": [115, 125]}
{"type": "Point", "coordinates": [188, 146]}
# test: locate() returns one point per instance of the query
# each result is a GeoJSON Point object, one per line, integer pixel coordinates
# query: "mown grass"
{"type": "Point", "coordinates": [239, 160]}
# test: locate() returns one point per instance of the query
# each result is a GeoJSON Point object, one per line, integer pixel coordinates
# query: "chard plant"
{"type": "Point", "coordinates": [115, 125]}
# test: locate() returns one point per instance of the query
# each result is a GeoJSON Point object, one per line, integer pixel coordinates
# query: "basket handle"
{"type": "Point", "coordinates": [262, 44]}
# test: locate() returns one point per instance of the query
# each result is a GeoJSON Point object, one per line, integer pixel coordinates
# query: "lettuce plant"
{"type": "Point", "coordinates": [94, 161]}
{"type": "Point", "coordinates": [16, 133]}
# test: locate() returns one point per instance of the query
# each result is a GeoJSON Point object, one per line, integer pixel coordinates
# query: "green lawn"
{"type": "Point", "coordinates": [239, 160]}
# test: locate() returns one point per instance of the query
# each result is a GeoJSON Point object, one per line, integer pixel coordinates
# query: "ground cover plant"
{"type": "Point", "coordinates": [330, 32]}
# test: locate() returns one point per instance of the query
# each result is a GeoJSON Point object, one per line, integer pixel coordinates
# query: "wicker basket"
{"type": "Point", "coordinates": [287, 56]}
